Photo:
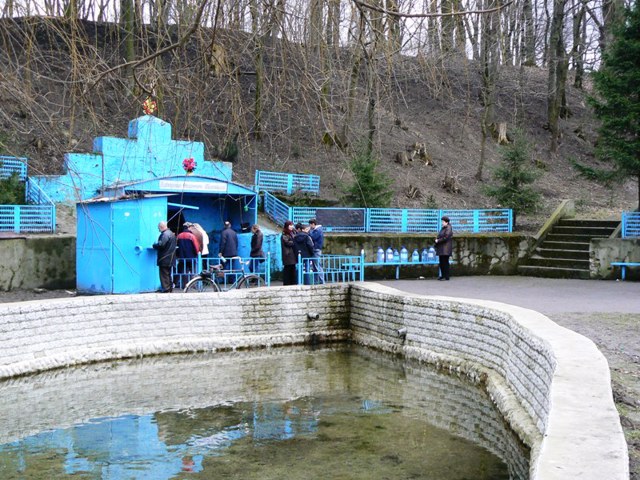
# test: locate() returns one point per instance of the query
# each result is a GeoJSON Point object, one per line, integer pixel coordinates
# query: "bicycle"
{"type": "Point", "coordinates": [205, 281]}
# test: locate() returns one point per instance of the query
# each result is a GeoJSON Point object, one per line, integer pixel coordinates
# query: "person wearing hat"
{"type": "Point", "coordinates": [444, 247]}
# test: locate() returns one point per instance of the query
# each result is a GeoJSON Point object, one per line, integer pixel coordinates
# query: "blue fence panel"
{"type": "Point", "coordinates": [10, 165]}
{"type": "Point", "coordinates": [277, 210]}
{"type": "Point", "coordinates": [330, 269]}
{"type": "Point", "coordinates": [479, 221]}
{"type": "Point", "coordinates": [384, 220]}
{"type": "Point", "coordinates": [27, 218]}
{"type": "Point", "coordinates": [287, 182]}
{"type": "Point", "coordinates": [186, 268]}
{"type": "Point", "coordinates": [630, 224]}
{"type": "Point", "coordinates": [303, 214]}
{"type": "Point", "coordinates": [422, 221]}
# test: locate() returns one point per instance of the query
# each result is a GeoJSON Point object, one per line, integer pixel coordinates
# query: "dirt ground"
{"type": "Point", "coordinates": [606, 312]}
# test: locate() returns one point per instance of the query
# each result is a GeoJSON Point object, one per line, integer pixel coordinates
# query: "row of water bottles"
{"type": "Point", "coordinates": [402, 256]}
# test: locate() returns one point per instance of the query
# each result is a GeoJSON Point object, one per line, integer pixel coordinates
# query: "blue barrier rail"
{"type": "Point", "coordinates": [277, 210]}
{"type": "Point", "coordinates": [630, 224]}
{"type": "Point", "coordinates": [186, 268]}
{"type": "Point", "coordinates": [11, 165]}
{"type": "Point", "coordinates": [39, 216]}
{"type": "Point", "coordinates": [330, 269]}
{"type": "Point", "coordinates": [27, 218]}
{"type": "Point", "coordinates": [287, 182]}
{"type": "Point", "coordinates": [390, 220]}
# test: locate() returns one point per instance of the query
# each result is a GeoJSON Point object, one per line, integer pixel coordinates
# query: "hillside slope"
{"type": "Point", "coordinates": [55, 101]}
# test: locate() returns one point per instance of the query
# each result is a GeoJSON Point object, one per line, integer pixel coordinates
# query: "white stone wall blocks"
{"type": "Point", "coordinates": [550, 384]}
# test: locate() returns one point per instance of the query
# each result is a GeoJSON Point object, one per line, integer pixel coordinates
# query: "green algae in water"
{"type": "Point", "coordinates": [331, 413]}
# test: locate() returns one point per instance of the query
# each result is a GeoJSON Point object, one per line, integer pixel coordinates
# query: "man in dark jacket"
{"type": "Point", "coordinates": [317, 235]}
{"type": "Point", "coordinates": [166, 250]}
{"type": "Point", "coordinates": [228, 244]}
{"type": "Point", "coordinates": [303, 246]}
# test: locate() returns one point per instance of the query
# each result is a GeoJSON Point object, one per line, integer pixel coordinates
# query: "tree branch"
{"type": "Point", "coordinates": [362, 4]}
{"type": "Point", "coordinates": [135, 64]}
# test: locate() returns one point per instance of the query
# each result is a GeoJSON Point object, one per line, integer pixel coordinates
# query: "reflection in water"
{"type": "Point", "coordinates": [294, 413]}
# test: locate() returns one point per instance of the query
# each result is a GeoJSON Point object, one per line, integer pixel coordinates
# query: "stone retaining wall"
{"type": "Point", "coordinates": [565, 414]}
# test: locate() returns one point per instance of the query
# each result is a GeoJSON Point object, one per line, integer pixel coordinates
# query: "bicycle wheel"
{"type": "Point", "coordinates": [201, 284]}
{"type": "Point", "coordinates": [251, 281]}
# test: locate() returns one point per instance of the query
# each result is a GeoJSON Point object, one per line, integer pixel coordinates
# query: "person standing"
{"type": "Point", "coordinates": [228, 244]}
{"type": "Point", "coordinates": [289, 258]}
{"type": "Point", "coordinates": [303, 246]}
{"type": "Point", "coordinates": [444, 247]}
{"type": "Point", "coordinates": [257, 255]}
{"type": "Point", "coordinates": [205, 238]}
{"type": "Point", "coordinates": [317, 236]}
{"type": "Point", "coordinates": [188, 249]}
{"type": "Point", "coordinates": [165, 249]}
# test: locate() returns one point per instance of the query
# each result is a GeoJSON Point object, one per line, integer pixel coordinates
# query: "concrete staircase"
{"type": "Point", "coordinates": [564, 253]}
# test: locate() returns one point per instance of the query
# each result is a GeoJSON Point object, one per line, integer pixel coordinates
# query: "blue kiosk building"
{"type": "Point", "coordinates": [116, 229]}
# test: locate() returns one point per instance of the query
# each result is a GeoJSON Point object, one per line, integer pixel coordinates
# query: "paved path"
{"type": "Point", "coordinates": [546, 295]}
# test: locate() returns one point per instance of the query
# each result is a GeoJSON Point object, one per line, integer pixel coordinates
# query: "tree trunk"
{"type": "Point", "coordinates": [528, 36]}
{"type": "Point", "coordinates": [490, 57]}
{"type": "Point", "coordinates": [579, 38]}
{"type": "Point", "coordinates": [557, 72]}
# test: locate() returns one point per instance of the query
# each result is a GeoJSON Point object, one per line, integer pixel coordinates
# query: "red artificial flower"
{"type": "Point", "coordinates": [189, 164]}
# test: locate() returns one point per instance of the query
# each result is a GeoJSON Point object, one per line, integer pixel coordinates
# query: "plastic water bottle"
{"type": "Point", "coordinates": [424, 257]}
{"type": "Point", "coordinates": [415, 256]}
{"type": "Point", "coordinates": [389, 257]}
{"type": "Point", "coordinates": [396, 255]}
{"type": "Point", "coordinates": [432, 254]}
{"type": "Point", "coordinates": [380, 255]}
{"type": "Point", "coordinates": [404, 255]}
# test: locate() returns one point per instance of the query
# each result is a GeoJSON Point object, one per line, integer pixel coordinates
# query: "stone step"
{"type": "Point", "coordinates": [562, 253]}
{"type": "Point", "coordinates": [584, 222]}
{"type": "Point", "coordinates": [558, 237]}
{"type": "Point", "coordinates": [538, 261]}
{"type": "Point", "coordinates": [582, 230]}
{"type": "Point", "coordinates": [561, 245]}
{"type": "Point", "coordinates": [553, 272]}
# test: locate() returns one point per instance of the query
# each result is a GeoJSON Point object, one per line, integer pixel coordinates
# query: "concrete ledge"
{"type": "Point", "coordinates": [552, 385]}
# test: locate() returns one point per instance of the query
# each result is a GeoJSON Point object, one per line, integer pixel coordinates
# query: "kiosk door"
{"type": "Point", "coordinates": [134, 230]}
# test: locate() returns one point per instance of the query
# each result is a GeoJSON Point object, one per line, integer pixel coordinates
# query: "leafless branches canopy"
{"type": "Point", "coordinates": [271, 70]}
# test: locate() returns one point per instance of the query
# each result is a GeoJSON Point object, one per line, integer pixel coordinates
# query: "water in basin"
{"type": "Point", "coordinates": [340, 413]}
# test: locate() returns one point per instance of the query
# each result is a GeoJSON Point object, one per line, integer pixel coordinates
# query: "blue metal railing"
{"type": "Point", "coordinates": [330, 269]}
{"type": "Point", "coordinates": [186, 268]}
{"type": "Point", "coordinates": [10, 165]}
{"type": "Point", "coordinates": [27, 218]}
{"type": "Point", "coordinates": [277, 210]}
{"type": "Point", "coordinates": [39, 216]}
{"type": "Point", "coordinates": [630, 224]}
{"type": "Point", "coordinates": [392, 220]}
{"type": "Point", "coordinates": [287, 182]}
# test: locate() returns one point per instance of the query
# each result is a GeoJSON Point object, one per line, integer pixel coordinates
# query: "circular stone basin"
{"type": "Point", "coordinates": [343, 412]}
